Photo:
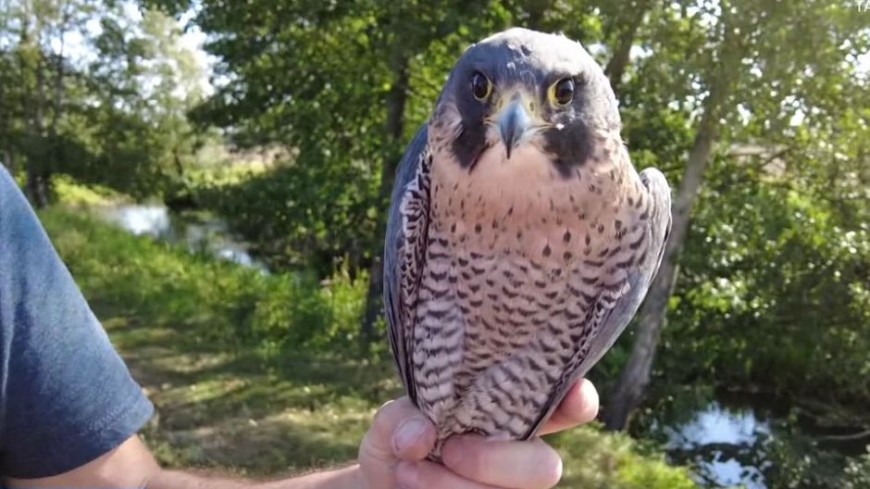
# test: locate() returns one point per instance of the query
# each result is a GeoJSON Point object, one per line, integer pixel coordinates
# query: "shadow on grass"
{"type": "Point", "coordinates": [235, 408]}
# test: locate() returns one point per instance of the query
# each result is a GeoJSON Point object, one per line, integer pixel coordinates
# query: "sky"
{"type": "Point", "coordinates": [76, 42]}
{"type": "Point", "coordinates": [193, 40]}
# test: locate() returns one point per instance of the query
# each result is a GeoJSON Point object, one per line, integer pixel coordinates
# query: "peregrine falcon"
{"type": "Point", "coordinates": [520, 241]}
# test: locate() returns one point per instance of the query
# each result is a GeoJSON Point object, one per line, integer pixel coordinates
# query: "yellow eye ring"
{"type": "Point", "coordinates": [481, 87]}
{"type": "Point", "coordinates": [561, 93]}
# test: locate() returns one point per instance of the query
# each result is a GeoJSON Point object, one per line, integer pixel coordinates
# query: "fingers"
{"type": "Point", "coordinates": [426, 475]}
{"type": "Point", "coordinates": [528, 464]}
{"type": "Point", "coordinates": [580, 406]}
{"type": "Point", "coordinates": [399, 431]}
{"type": "Point", "coordinates": [518, 465]}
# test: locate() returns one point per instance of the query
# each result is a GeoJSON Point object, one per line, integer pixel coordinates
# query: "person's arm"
{"type": "Point", "coordinates": [391, 456]}
{"type": "Point", "coordinates": [131, 465]}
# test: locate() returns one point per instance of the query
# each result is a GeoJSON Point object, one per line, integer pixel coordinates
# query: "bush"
{"type": "Point", "coordinates": [598, 460]}
{"type": "Point", "coordinates": [213, 300]}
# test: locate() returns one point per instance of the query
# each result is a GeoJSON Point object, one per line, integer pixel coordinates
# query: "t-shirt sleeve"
{"type": "Point", "coordinates": [66, 397]}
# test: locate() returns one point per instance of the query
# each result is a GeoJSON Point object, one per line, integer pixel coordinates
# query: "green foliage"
{"type": "Point", "coordinates": [774, 258]}
{"type": "Point", "coordinates": [308, 313]}
{"type": "Point", "coordinates": [857, 473]}
{"type": "Point", "coordinates": [798, 462]}
{"type": "Point", "coordinates": [333, 87]}
{"type": "Point", "coordinates": [772, 281]}
{"type": "Point", "coordinates": [345, 85]}
{"type": "Point", "coordinates": [594, 460]}
{"type": "Point", "coordinates": [275, 210]}
{"type": "Point", "coordinates": [214, 301]}
{"type": "Point", "coordinates": [111, 110]}
{"type": "Point", "coordinates": [74, 194]}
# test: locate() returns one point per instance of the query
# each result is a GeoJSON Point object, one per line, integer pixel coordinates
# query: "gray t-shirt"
{"type": "Point", "coordinates": [66, 397]}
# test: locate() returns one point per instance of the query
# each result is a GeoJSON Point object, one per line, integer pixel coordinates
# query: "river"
{"type": "Point", "coordinates": [199, 232]}
{"type": "Point", "coordinates": [726, 444]}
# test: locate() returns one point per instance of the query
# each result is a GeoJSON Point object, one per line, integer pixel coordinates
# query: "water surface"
{"type": "Point", "coordinates": [199, 232]}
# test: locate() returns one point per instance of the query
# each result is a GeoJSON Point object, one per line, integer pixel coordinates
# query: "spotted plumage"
{"type": "Point", "coordinates": [521, 240]}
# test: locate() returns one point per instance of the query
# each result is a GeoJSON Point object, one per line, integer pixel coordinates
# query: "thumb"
{"type": "Point", "coordinates": [399, 432]}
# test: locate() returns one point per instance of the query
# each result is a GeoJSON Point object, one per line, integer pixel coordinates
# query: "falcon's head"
{"type": "Point", "coordinates": [522, 89]}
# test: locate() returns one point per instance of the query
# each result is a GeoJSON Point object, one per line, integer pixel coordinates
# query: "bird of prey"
{"type": "Point", "coordinates": [520, 240]}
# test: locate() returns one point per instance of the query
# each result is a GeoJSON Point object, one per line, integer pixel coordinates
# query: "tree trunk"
{"type": "Point", "coordinates": [615, 68]}
{"type": "Point", "coordinates": [38, 178]}
{"type": "Point", "coordinates": [57, 149]}
{"type": "Point", "coordinates": [396, 100]}
{"type": "Point", "coordinates": [635, 377]}
{"type": "Point", "coordinates": [9, 161]}
{"type": "Point", "coordinates": [651, 318]}
{"type": "Point", "coordinates": [37, 187]}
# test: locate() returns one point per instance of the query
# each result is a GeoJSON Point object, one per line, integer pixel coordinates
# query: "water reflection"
{"type": "Point", "coordinates": [726, 445]}
{"type": "Point", "coordinates": [152, 220]}
{"type": "Point", "coordinates": [199, 233]}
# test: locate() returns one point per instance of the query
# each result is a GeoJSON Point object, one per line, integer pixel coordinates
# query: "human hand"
{"type": "Point", "coordinates": [392, 453]}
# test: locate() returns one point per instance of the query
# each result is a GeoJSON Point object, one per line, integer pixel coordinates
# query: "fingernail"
{"type": "Point", "coordinates": [408, 434]}
{"type": "Point", "coordinates": [406, 475]}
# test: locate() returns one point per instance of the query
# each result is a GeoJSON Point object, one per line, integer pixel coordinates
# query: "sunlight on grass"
{"type": "Point", "coordinates": [594, 460]}
{"type": "Point", "coordinates": [74, 194]}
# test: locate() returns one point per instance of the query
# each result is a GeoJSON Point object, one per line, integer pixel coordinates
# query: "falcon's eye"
{"type": "Point", "coordinates": [562, 92]}
{"type": "Point", "coordinates": [481, 87]}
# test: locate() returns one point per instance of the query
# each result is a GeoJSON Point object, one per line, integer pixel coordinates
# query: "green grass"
{"type": "Point", "coordinates": [262, 375]}
{"type": "Point", "coordinates": [73, 194]}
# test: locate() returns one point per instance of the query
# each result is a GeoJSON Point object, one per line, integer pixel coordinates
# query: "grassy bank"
{"type": "Point", "coordinates": [262, 375]}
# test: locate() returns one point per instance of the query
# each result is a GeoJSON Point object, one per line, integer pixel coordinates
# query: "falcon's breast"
{"type": "Point", "coordinates": [521, 263]}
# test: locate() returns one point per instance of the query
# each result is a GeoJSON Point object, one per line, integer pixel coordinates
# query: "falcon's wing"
{"type": "Point", "coordinates": [405, 253]}
{"type": "Point", "coordinates": [609, 316]}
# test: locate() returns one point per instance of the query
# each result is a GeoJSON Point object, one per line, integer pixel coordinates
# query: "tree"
{"type": "Point", "coordinates": [143, 82]}
{"type": "Point", "coordinates": [343, 86]}
{"type": "Point", "coordinates": [76, 97]}
{"type": "Point", "coordinates": [363, 77]}
{"type": "Point", "coordinates": [36, 31]}
{"type": "Point", "coordinates": [746, 39]}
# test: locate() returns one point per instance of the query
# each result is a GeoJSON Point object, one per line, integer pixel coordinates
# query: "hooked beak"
{"type": "Point", "coordinates": [513, 123]}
